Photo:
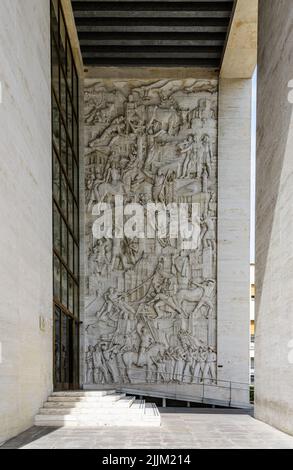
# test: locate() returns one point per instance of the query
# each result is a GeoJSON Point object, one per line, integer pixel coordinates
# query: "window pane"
{"type": "Point", "coordinates": [56, 178]}
{"type": "Point", "coordinates": [57, 278]}
{"type": "Point", "coordinates": [63, 92]}
{"type": "Point", "coordinates": [75, 90]}
{"type": "Point", "coordinates": [76, 260]}
{"type": "Point", "coordinates": [57, 351]}
{"type": "Point", "coordinates": [65, 349]}
{"type": "Point", "coordinates": [54, 19]}
{"type": "Point", "coordinates": [55, 68]}
{"type": "Point", "coordinates": [57, 231]}
{"type": "Point", "coordinates": [63, 148]}
{"type": "Point", "coordinates": [70, 166]}
{"type": "Point", "coordinates": [69, 117]}
{"type": "Point", "coordinates": [69, 67]}
{"type": "Point", "coordinates": [75, 176]}
{"type": "Point", "coordinates": [56, 123]}
{"type": "Point", "coordinates": [70, 253]}
{"type": "Point", "coordinates": [76, 351]}
{"type": "Point", "coordinates": [64, 286]}
{"type": "Point", "coordinates": [64, 195]}
{"type": "Point", "coordinates": [70, 210]}
{"type": "Point", "coordinates": [76, 221]}
{"type": "Point", "coordinates": [76, 301]}
{"type": "Point", "coordinates": [64, 242]}
{"type": "Point", "coordinates": [70, 294]}
{"type": "Point", "coordinates": [75, 137]}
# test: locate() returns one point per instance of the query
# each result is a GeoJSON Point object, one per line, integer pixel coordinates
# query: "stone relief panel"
{"type": "Point", "coordinates": [150, 304]}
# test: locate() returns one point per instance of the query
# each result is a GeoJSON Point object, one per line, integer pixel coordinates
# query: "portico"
{"type": "Point", "coordinates": [143, 112]}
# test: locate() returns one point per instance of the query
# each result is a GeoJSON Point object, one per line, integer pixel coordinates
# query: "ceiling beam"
{"type": "Point", "coordinates": [152, 14]}
{"type": "Point", "coordinates": [240, 56]}
{"type": "Point", "coordinates": [153, 33]}
{"type": "Point", "coordinates": [151, 62]}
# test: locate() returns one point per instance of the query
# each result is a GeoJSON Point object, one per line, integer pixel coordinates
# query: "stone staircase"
{"type": "Point", "coordinates": [96, 408]}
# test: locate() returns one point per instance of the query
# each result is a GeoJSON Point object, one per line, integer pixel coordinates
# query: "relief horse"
{"type": "Point", "coordinates": [144, 357]}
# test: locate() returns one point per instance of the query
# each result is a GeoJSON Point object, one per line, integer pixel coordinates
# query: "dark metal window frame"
{"type": "Point", "coordinates": [65, 158]}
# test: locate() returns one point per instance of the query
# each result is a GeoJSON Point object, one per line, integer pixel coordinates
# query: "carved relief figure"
{"type": "Point", "coordinates": [151, 305]}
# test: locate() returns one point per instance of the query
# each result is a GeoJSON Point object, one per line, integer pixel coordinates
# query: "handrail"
{"type": "Point", "coordinates": [195, 380]}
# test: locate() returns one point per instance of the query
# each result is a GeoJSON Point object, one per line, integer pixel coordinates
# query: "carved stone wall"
{"type": "Point", "coordinates": [150, 304]}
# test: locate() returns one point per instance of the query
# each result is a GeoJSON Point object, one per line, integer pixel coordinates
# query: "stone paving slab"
{"type": "Point", "coordinates": [181, 428]}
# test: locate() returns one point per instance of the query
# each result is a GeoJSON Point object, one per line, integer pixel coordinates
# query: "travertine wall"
{"type": "Point", "coordinates": [234, 230]}
{"type": "Point", "coordinates": [151, 304]}
{"type": "Point", "coordinates": [25, 208]}
{"type": "Point", "coordinates": [274, 217]}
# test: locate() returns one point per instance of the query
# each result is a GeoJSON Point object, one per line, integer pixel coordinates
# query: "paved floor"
{"type": "Point", "coordinates": [181, 428]}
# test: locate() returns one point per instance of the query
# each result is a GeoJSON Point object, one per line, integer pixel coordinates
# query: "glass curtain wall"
{"type": "Point", "coordinates": [65, 138]}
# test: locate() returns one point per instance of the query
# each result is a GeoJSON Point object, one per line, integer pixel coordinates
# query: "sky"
{"type": "Point", "coordinates": [253, 152]}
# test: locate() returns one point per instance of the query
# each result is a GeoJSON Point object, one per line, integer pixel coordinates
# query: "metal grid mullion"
{"type": "Point", "coordinates": [64, 171]}
{"type": "Point", "coordinates": [76, 240]}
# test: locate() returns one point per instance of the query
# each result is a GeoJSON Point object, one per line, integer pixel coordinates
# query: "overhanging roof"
{"type": "Point", "coordinates": [153, 33]}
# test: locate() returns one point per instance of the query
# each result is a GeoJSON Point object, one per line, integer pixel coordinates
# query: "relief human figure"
{"type": "Point", "coordinates": [145, 341]}
{"type": "Point", "coordinates": [100, 257]}
{"type": "Point", "coordinates": [110, 360]}
{"type": "Point", "coordinates": [100, 369]}
{"type": "Point", "coordinates": [160, 365]}
{"type": "Point", "coordinates": [207, 297]}
{"type": "Point", "coordinates": [187, 371]}
{"type": "Point", "coordinates": [132, 176]}
{"type": "Point", "coordinates": [110, 298]}
{"type": "Point", "coordinates": [167, 297]}
{"type": "Point", "coordinates": [158, 187]}
{"type": "Point", "coordinates": [181, 266]}
{"type": "Point", "coordinates": [206, 153]}
{"type": "Point", "coordinates": [194, 362]}
{"type": "Point", "coordinates": [212, 205]}
{"type": "Point", "coordinates": [89, 361]}
{"type": "Point", "coordinates": [132, 252]}
{"type": "Point", "coordinates": [209, 371]}
{"type": "Point", "coordinates": [169, 365]}
{"type": "Point", "coordinates": [153, 147]}
{"type": "Point", "coordinates": [180, 359]}
{"type": "Point", "coordinates": [209, 234]}
{"type": "Point", "coordinates": [112, 185]}
{"type": "Point", "coordinates": [205, 179]}
{"type": "Point", "coordinates": [188, 151]}
{"type": "Point", "coordinates": [167, 117]}
{"type": "Point", "coordinates": [94, 105]}
{"type": "Point", "coordinates": [200, 365]}
{"type": "Point", "coordinates": [106, 312]}
{"type": "Point", "coordinates": [174, 122]}
{"type": "Point", "coordinates": [89, 191]}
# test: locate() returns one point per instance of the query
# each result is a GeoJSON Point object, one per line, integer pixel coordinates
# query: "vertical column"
{"type": "Point", "coordinates": [274, 217]}
{"type": "Point", "coordinates": [234, 230]}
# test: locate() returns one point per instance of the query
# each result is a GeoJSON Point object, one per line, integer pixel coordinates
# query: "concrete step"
{"type": "Point", "coordinates": [125, 402]}
{"type": "Point", "coordinates": [94, 408]}
{"type": "Point", "coordinates": [101, 412]}
{"type": "Point", "coordinates": [71, 409]}
{"type": "Point", "coordinates": [82, 393]}
{"type": "Point", "coordinates": [87, 399]}
{"type": "Point", "coordinates": [81, 404]}
{"type": "Point", "coordinates": [56, 421]}
{"type": "Point", "coordinates": [151, 413]}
